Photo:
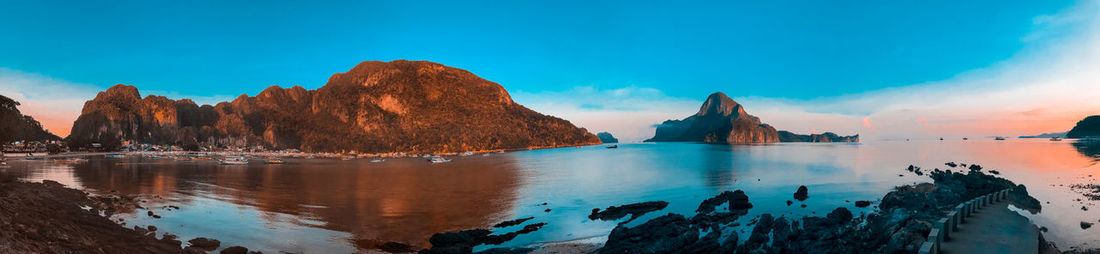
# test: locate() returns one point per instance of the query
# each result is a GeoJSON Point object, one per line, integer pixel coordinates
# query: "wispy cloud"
{"type": "Point", "coordinates": [627, 112]}
{"type": "Point", "coordinates": [1045, 88]}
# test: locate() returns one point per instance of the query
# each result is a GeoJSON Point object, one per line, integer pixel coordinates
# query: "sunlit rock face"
{"type": "Point", "coordinates": [723, 121]}
{"type": "Point", "coordinates": [720, 120]}
{"type": "Point", "coordinates": [398, 106]}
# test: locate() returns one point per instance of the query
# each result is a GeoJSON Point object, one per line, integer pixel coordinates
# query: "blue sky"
{"type": "Point", "coordinates": [782, 50]}
{"type": "Point", "coordinates": [797, 49]}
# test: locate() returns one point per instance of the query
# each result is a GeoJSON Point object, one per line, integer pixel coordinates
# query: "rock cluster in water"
{"type": "Point", "coordinates": [901, 224]}
{"type": "Point", "coordinates": [723, 121]}
{"type": "Point", "coordinates": [398, 106]}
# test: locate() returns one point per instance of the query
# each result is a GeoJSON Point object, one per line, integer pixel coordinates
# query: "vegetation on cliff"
{"type": "Point", "coordinates": [1088, 127]}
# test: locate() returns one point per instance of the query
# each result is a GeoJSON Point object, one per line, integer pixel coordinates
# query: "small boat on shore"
{"type": "Point", "coordinates": [233, 160]}
{"type": "Point", "coordinates": [438, 159]}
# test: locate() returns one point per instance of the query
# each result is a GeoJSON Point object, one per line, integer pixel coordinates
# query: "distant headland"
{"type": "Point", "coordinates": [723, 121]}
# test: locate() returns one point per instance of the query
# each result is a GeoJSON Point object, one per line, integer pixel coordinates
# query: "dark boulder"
{"type": "Point", "coordinates": [737, 201]}
{"type": "Point", "coordinates": [634, 210]}
{"type": "Point", "coordinates": [235, 250]}
{"type": "Point", "coordinates": [760, 234]}
{"type": "Point", "coordinates": [512, 222]}
{"type": "Point", "coordinates": [665, 234]}
{"type": "Point", "coordinates": [205, 243]}
{"type": "Point", "coordinates": [802, 193]}
{"type": "Point", "coordinates": [840, 215]}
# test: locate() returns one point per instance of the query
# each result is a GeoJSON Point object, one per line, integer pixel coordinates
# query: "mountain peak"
{"type": "Point", "coordinates": [720, 104]}
{"type": "Point", "coordinates": [123, 90]}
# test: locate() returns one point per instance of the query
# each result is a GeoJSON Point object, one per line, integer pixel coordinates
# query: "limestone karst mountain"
{"type": "Point", "coordinates": [722, 120]}
{"type": "Point", "coordinates": [398, 106]}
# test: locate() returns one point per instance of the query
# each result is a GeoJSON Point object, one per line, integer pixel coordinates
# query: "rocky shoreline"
{"type": "Point", "coordinates": [47, 217]}
{"type": "Point", "coordinates": [904, 218]}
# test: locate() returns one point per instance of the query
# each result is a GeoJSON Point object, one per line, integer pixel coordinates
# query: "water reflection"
{"type": "Point", "coordinates": [1088, 148]}
{"type": "Point", "coordinates": [327, 206]}
{"type": "Point", "coordinates": [402, 200]}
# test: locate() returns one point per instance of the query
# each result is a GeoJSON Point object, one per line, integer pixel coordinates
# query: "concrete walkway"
{"type": "Point", "coordinates": [993, 229]}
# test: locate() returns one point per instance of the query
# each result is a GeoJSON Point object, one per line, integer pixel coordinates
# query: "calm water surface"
{"type": "Point", "coordinates": [333, 206]}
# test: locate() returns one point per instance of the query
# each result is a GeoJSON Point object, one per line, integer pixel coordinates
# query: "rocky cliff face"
{"type": "Point", "coordinates": [399, 106]}
{"type": "Point", "coordinates": [723, 121]}
{"type": "Point", "coordinates": [1088, 127]}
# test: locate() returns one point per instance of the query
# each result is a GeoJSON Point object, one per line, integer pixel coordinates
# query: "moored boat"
{"type": "Point", "coordinates": [612, 146]}
{"type": "Point", "coordinates": [1055, 139]}
{"type": "Point", "coordinates": [234, 160]}
{"type": "Point", "coordinates": [438, 159]}
{"type": "Point", "coordinates": [274, 161]}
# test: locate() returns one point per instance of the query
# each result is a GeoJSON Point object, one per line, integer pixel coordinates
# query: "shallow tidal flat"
{"type": "Point", "coordinates": [321, 205]}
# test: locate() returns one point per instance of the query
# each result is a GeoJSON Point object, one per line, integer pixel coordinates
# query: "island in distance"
{"type": "Point", "coordinates": [723, 121]}
{"type": "Point", "coordinates": [1088, 127]}
{"type": "Point", "coordinates": [607, 138]}
{"type": "Point", "coordinates": [376, 107]}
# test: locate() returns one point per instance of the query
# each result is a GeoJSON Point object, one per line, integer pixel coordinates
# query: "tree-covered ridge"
{"type": "Point", "coordinates": [15, 126]}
